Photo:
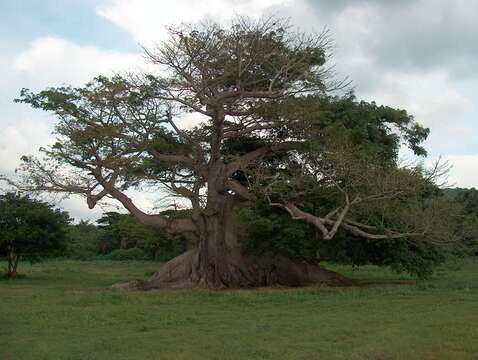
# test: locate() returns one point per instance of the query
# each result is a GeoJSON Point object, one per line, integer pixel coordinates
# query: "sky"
{"type": "Point", "coordinates": [419, 55]}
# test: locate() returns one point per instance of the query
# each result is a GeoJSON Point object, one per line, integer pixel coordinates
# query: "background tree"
{"type": "Point", "coordinates": [124, 231]}
{"type": "Point", "coordinates": [83, 241]}
{"type": "Point", "coordinates": [468, 223]}
{"type": "Point", "coordinates": [29, 230]}
{"type": "Point", "coordinates": [256, 87]}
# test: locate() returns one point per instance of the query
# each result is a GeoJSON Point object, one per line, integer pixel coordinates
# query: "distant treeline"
{"type": "Point", "coordinates": [121, 237]}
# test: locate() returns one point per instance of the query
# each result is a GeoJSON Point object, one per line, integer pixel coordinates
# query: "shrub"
{"type": "Point", "coordinates": [127, 254]}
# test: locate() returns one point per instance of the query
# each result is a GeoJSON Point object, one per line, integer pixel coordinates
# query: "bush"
{"type": "Point", "coordinates": [127, 254]}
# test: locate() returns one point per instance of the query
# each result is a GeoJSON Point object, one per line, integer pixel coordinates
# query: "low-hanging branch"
{"type": "Point", "coordinates": [342, 222]}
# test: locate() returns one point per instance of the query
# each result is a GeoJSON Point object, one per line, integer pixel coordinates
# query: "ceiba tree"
{"type": "Point", "coordinates": [254, 86]}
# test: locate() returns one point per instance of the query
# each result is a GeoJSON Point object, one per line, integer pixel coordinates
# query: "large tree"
{"type": "Point", "coordinates": [257, 88]}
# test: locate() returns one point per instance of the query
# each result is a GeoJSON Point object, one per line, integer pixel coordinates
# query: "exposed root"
{"type": "Point", "coordinates": [184, 272]}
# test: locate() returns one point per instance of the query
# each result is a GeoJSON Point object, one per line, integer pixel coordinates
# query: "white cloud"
{"type": "Point", "coordinates": [464, 172]}
{"type": "Point", "coordinates": [404, 54]}
{"type": "Point", "coordinates": [24, 137]}
{"type": "Point", "coordinates": [146, 19]}
{"type": "Point", "coordinates": [48, 61]}
{"type": "Point", "coordinates": [52, 61]}
{"type": "Point", "coordinates": [431, 97]}
{"type": "Point", "coordinates": [21, 138]}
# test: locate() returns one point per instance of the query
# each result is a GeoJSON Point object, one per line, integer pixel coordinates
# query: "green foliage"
{"type": "Point", "coordinates": [469, 198]}
{"type": "Point", "coordinates": [29, 230]}
{"type": "Point", "coordinates": [123, 231]}
{"type": "Point", "coordinates": [273, 231]}
{"type": "Point", "coordinates": [84, 136]}
{"type": "Point", "coordinates": [127, 254]}
{"type": "Point", "coordinates": [354, 146]}
{"type": "Point", "coordinates": [122, 237]}
{"type": "Point", "coordinates": [169, 247]}
{"type": "Point", "coordinates": [374, 129]}
{"type": "Point", "coordinates": [468, 223]}
{"type": "Point", "coordinates": [83, 241]}
{"type": "Point", "coordinates": [417, 259]}
{"type": "Point", "coordinates": [469, 227]}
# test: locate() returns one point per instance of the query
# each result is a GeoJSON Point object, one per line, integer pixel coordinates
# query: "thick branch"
{"type": "Point", "coordinates": [338, 222]}
{"type": "Point", "coordinates": [171, 226]}
{"type": "Point", "coordinates": [174, 159]}
{"type": "Point", "coordinates": [392, 235]}
{"type": "Point", "coordinates": [298, 214]}
{"type": "Point", "coordinates": [92, 199]}
{"type": "Point", "coordinates": [319, 223]}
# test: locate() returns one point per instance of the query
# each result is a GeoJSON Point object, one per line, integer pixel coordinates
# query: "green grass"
{"type": "Point", "coordinates": [65, 310]}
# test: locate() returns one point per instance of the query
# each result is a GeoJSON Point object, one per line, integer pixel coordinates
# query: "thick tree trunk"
{"type": "Point", "coordinates": [217, 262]}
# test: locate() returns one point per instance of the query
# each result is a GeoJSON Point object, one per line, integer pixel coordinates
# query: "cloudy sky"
{"type": "Point", "coordinates": [421, 55]}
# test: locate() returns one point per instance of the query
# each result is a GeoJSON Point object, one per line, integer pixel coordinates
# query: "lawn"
{"type": "Point", "coordinates": [66, 310]}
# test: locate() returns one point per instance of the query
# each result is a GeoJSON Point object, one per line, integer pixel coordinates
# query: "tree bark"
{"type": "Point", "coordinates": [218, 262]}
{"type": "Point", "coordinates": [12, 263]}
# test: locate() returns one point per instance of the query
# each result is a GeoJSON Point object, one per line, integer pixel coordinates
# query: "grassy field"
{"type": "Point", "coordinates": [65, 310]}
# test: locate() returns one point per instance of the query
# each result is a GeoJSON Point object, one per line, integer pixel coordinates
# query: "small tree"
{"type": "Point", "coordinates": [29, 230]}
